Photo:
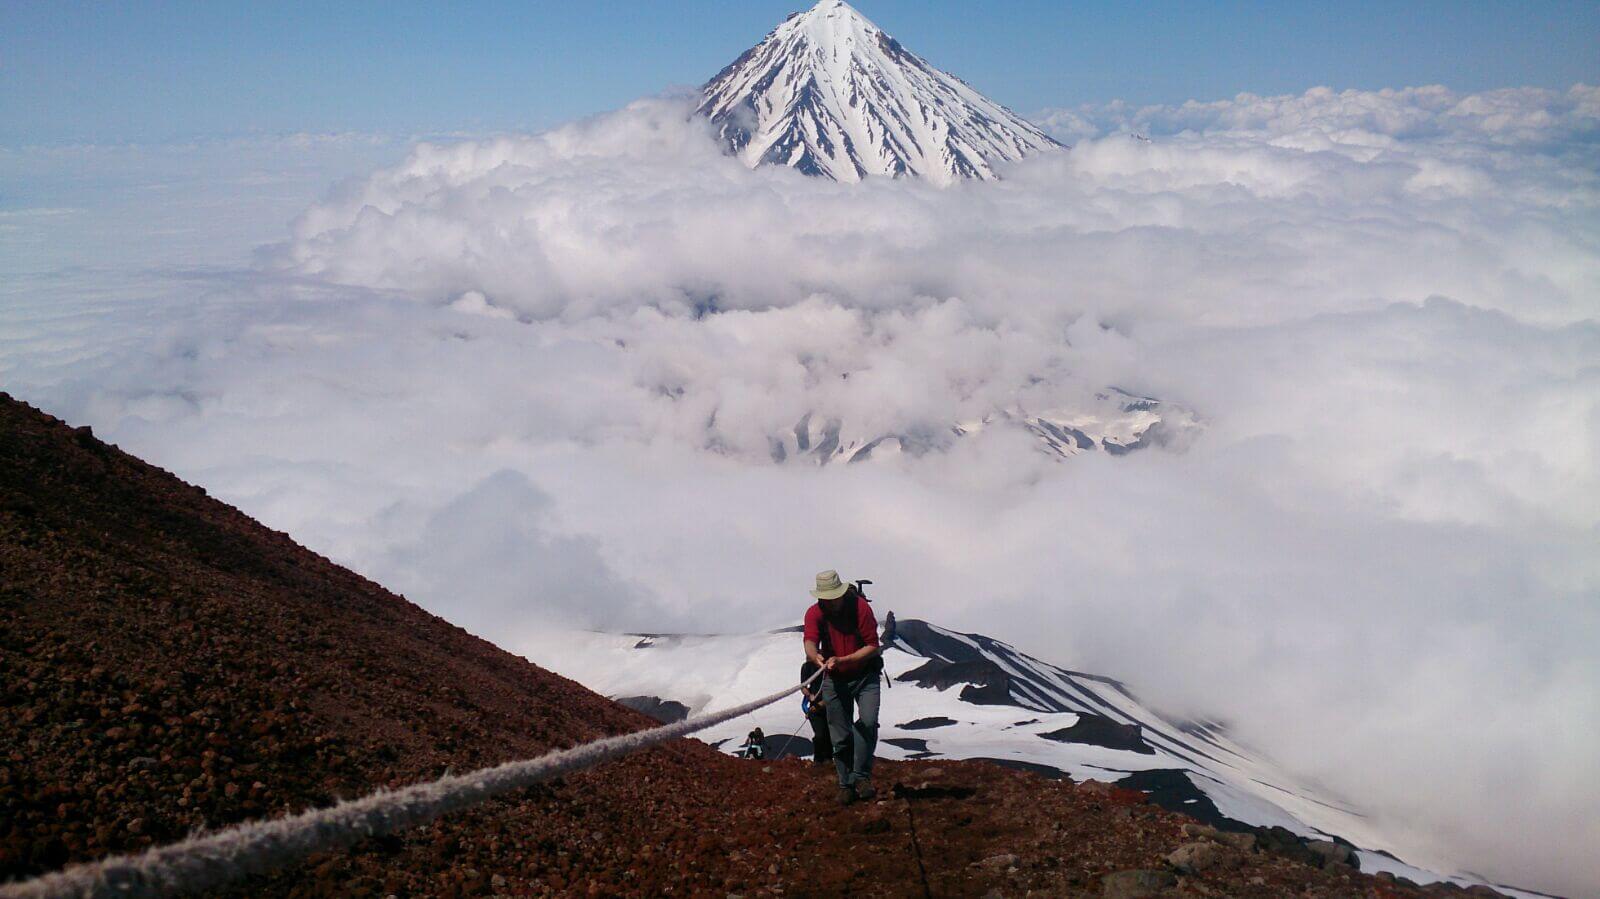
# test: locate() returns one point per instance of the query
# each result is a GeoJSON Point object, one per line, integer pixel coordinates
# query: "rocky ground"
{"type": "Point", "coordinates": [168, 664]}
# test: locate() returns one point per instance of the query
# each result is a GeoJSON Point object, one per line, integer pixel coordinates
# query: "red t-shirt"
{"type": "Point", "coordinates": [844, 636]}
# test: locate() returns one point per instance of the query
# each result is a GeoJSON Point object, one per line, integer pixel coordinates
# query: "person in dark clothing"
{"type": "Point", "coordinates": [817, 715]}
{"type": "Point", "coordinates": [755, 745]}
{"type": "Point", "coordinates": [841, 637]}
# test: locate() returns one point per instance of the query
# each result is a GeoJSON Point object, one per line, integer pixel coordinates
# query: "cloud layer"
{"type": "Point", "coordinates": [534, 382]}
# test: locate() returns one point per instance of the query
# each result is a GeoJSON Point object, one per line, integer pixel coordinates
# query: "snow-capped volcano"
{"type": "Point", "coordinates": [829, 93]}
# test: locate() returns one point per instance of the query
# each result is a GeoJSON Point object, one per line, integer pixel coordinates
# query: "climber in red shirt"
{"type": "Point", "coordinates": [841, 636]}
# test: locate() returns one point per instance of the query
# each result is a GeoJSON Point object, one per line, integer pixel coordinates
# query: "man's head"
{"type": "Point", "coordinates": [830, 590]}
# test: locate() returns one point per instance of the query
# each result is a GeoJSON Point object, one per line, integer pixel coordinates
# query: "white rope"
{"type": "Point", "coordinates": [209, 861]}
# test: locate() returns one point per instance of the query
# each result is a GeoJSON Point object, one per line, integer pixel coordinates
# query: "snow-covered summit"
{"type": "Point", "coordinates": [829, 93]}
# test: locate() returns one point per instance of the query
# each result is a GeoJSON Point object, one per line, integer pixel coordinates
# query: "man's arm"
{"type": "Point", "coordinates": [811, 635]}
{"type": "Point", "coordinates": [808, 689]}
{"type": "Point", "coordinates": [865, 652]}
{"type": "Point", "coordinates": [816, 657]}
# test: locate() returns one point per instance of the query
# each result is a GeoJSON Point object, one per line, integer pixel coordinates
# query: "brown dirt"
{"type": "Point", "coordinates": [166, 663]}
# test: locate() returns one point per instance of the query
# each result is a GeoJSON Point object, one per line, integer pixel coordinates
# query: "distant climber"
{"type": "Point", "coordinates": [755, 745]}
{"type": "Point", "coordinates": [816, 712]}
{"type": "Point", "coordinates": [841, 636]}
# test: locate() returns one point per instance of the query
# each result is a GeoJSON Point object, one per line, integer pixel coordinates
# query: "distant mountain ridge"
{"type": "Point", "coordinates": [830, 94]}
{"type": "Point", "coordinates": [1113, 421]}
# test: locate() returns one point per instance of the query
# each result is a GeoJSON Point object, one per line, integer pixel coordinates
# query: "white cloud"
{"type": "Point", "coordinates": [487, 561]}
{"type": "Point", "coordinates": [535, 379]}
{"type": "Point", "coordinates": [1512, 116]}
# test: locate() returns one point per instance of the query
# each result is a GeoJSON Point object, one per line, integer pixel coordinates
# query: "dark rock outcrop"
{"type": "Point", "coordinates": [1097, 730]}
{"type": "Point", "coordinates": [665, 711]}
{"type": "Point", "coordinates": [1334, 855]}
{"type": "Point", "coordinates": [1049, 772]}
{"type": "Point", "coordinates": [928, 723]}
{"type": "Point", "coordinates": [982, 681]}
{"type": "Point", "coordinates": [1172, 789]}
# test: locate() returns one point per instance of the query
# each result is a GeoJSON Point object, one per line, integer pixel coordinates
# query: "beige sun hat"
{"type": "Point", "coordinates": [829, 586]}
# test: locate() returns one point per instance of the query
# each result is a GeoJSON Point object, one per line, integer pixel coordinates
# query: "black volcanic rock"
{"type": "Point", "coordinates": [1049, 772]}
{"type": "Point", "coordinates": [921, 638]}
{"type": "Point", "coordinates": [928, 723]}
{"type": "Point", "coordinates": [664, 710]}
{"type": "Point", "coordinates": [983, 682]}
{"type": "Point", "coordinates": [1172, 789]}
{"type": "Point", "coordinates": [1097, 730]}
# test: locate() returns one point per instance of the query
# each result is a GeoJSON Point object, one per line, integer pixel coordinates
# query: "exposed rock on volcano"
{"type": "Point", "coordinates": [1097, 730]}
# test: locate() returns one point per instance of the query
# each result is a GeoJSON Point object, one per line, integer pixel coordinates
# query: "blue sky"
{"type": "Point", "coordinates": [153, 71]}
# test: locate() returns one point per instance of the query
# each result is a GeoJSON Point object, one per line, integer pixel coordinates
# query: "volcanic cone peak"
{"type": "Point", "coordinates": [829, 93]}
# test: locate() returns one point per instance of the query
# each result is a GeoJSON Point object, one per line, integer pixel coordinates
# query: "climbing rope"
{"type": "Point", "coordinates": [209, 861]}
{"type": "Point", "coordinates": [916, 850]}
{"type": "Point", "coordinates": [795, 736]}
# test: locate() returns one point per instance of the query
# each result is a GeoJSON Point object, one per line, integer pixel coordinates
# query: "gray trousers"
{"type": "Point", "coordinates": [854, 738]}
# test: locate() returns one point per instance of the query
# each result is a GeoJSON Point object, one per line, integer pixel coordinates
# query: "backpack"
{"type": "Point", "coordinates": [824, 644]}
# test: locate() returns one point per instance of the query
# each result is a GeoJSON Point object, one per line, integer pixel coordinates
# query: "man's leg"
{"type": "Point", "coordinates": [840, 710]}
{"type": "Point", "coordinates": [821, 740]}
{"type": "Point", "coordinates": [867, 696]}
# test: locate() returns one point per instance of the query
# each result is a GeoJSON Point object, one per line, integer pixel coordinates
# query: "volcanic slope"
{"type": "Point", "coordinates": [969, 696]}
{"type": "Point", "coordinates": [167, 664]}
{"type": "Point", "coordinates": [830, 94]}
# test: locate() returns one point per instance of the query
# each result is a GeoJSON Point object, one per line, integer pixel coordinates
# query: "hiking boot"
{"type": "Point", "coordinates": [866, 790]}
{"type": "Point", "coordinates": [846, 795]}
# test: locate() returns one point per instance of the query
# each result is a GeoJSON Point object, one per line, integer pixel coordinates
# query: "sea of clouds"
{"type": "Point", "coordinates": [532, 382]}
